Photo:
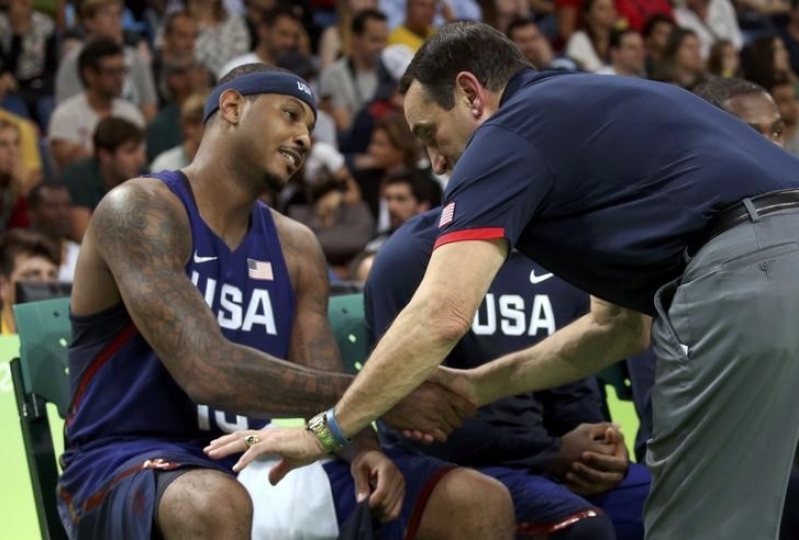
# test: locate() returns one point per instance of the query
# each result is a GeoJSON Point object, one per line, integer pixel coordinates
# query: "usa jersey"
{"type": "Point", "coordinates": [524, 305]}
{"type": "Point", "coordinates": [125, 402]}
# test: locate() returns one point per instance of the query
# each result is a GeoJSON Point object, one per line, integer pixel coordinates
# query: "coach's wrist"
{"type": "Point", "coordinates": [327, 431]}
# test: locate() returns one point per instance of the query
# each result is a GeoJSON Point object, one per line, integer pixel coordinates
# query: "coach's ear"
{"type": "Point", "coordinates": [471, 94]}
{"type": "Point", "coordinates": [231, 103]}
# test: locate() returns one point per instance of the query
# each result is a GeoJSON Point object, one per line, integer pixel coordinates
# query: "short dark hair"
{"type": "Point", "coordinates": [95, 49]}
{"type": "Point", "coordinates": [654, 20]}
{"type": "Point", "coordinates": [112, 132]}
{"type": "Point", "coordinates": [15, 242]}
{"type": "Point", "coordinates": [35, 194]}
{"type": "Point", "coordinates": [270, 17]}
{"type": "Point", "coordinates": [365, 15]}
{"type": "Point", "coordinates": [463, 46]}
{"type": "Point", "coordinates": [718, 90]}
{"type": "Point", "coordinates": [169, 22]}
{"type": "Point", "coordinates": [617, 36]}
{"type": "Point", "coordinates": [423, 188]}
{"type": "Point", "coordinates": [515, 24]}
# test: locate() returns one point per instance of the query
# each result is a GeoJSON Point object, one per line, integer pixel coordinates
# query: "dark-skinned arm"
{"type": "Point", "coordinates": [142, 233]}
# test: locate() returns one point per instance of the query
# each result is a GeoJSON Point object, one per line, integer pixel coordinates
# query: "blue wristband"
{"type": "Point", "coordinates": [330, 416]}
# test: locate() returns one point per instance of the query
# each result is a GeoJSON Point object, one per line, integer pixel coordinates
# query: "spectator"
{"type": "Point", "coordinates": [118, 156]}
{"type": "Point", "coordinates": [180, 38]}
{"type": "Point", "coordinates": [28, 54]}
{"type": "Point", "coordinates": [279, 33]}
{"type": "Point", "coordinates": [536, 47]}
{"type": "Point", "coordinates": [711, 20]}
{"type": "Point", "coordinates": [591, 44]}
{"type": "Point", "coordinates": [50, 212]}
{"type": "Point", "coordinates": [627, 54]}
{"type": "Point", "coordinates": [30, 163]}
{"type": "Point", "coordinates": [24, 256]}
{"type": "Point", "coordinates": [790, 35]}
{"type": "Point", "coordinates": [724, 61]}
{"type": "Point", "coordinates": [191, 124]}
{"type": "Point", "coordinates": [351, 81]}
{"type": "Point", "coordinates": [765, 60]}
{"type": "Point", "coordinates": [103, 18]}
{"type": "Point", "coordinates": [102, 70]}
{"type": "Point", "coordinates": [635, 14]}
{"type": "Point", "coordinates": [14, 205]}
{"type": "Point", "coordinates": [417, 26]}
{"type": "Point", "coordinates": [682, 62]}
{"type": "Point", "coordinates": [223, 36]}
{"type": "Point", "coordinates": [656, 34]}
{"type": "Point", "coordinates": [335, 40]}
{"type": "Point", "coordinates": [784, 94]}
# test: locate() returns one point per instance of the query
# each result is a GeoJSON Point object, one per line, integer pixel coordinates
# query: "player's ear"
{"type": "Point", "coordinates": [231, 103]}
{"type": "Point", "coordinates": [471, 92]}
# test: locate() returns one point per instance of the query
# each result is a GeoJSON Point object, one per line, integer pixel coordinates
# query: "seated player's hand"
{"type": "Point", "coordinates": [430, 413]}
{"type": "Point", "coordinates": [297, 447]}
{"type": "Point", "coordinates": [377, 478]}
{"type": "Point", "coordinates": [597, 472]}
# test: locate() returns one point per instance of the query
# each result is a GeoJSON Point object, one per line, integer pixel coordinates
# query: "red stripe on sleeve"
{"type": "Point", "coordinates": [487, 233]}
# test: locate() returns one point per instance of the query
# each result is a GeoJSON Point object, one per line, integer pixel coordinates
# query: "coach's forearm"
{"type": "Point", "coordinates": [585, 347]}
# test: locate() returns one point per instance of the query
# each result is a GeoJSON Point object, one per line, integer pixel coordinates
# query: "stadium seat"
{"type": "Point", "coordinates": [41, 376]}
{"type": "Point", "coordinates": [345, 313]}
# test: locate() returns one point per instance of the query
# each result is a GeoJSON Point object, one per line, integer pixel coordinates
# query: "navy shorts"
{"type": "Point", "coordinates": [124, 508]}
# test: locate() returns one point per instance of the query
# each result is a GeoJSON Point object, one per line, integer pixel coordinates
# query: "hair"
{"type": "Point", "coordinates": [89, 8]}
{"type": "Point", "coordinates": [423, 188]}
{"type": "Point", "coordinates": [10, 181]}
{"type": "Point", "coordinates": [517, 23]}
{"type": "Point", "coordinates": [463, 46]}
{"type": "Point", "coordinates": [715, 60]}
{"type": "Point", "coordinates": [112, 132]}
{"type": "Point", "coordinates": [617, 36]}
{"type": "Point", "coordinates": [654, 20]}
{"type": "Point", "coordinates": [757, 60]}
{"type": "Point", "coordinates": [192, 109]}
{"type": "Point", "coordinates": [96, 48]}
{"type": "Point", "coordinates": [169, 22]}
{"type": "Point", "coordinates": [400, 137]}
{"type": "Point", "coordinates": [718, 91]}
{"type": "Point", "coordinates": [17, 242]}
{"type": "Point", "coordinates": [220, 12]}
{"type": "Point", "coordinates": [362, 17]}
{"type": "Point", "coordinates": [35, 194]}
{"type": "Point", "coordinates": [269, 17]}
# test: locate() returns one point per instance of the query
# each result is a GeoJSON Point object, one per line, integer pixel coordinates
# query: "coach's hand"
{"type": "Point", "coordinates": [429, 414]}
{"type": "Point", "coordinates": [297, 446]}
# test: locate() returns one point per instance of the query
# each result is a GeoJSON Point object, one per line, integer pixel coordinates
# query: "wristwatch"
{"type": "Point", "coordinates": [318, 426]}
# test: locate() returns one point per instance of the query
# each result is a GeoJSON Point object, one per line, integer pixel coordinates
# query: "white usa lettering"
{"type": "Point", "coordinates": [515, 315]}
{"type": "Point", "coordinates": [302, 87]}
{"type": "Point", "coordinates": [236, 312]}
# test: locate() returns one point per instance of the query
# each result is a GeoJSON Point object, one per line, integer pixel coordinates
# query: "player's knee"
{"type": "Point", "coordinates": [205, 503]}
{"type": "Point", "coordinates": [598, 527]}
{"type": "Point", "coordinates": [467, 504]}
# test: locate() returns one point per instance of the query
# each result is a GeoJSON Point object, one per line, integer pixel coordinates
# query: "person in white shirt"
{"type": "Point", "coordinates": [711, 20]}
{"type": "Point", "coordinates": [191, 124]}
{"type": "Point", "coordinates": [590, 45]}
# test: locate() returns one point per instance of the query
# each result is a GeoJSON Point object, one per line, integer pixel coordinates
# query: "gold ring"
{"type": "Point", "coordinates": [251, 440]}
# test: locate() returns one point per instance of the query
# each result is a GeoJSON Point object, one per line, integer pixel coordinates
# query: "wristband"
{"type": "Point", "coordinates": [335, 429]}
{"type": "Point", "coordinates": [319, 427]}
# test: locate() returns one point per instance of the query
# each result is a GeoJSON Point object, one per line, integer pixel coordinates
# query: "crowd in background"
{"type": "Point", "coordinates": [99, 91]}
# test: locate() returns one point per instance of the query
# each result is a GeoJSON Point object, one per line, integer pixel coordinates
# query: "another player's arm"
{"type": "Point", "coordinates": [607, 334]}
{"type": "Point", "coordinates": [142, 233]}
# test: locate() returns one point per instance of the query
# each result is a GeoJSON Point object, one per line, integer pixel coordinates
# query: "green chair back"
{"type": "Point", "coordinates": [346, 316]}
{"type": "Point", "coordinates": [40, 376]}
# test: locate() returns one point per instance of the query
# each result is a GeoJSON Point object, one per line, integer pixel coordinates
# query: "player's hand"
{"type": "Point", "coordinates": [573, 445]}
{"type": "Point", "coordinates": [429, 414]}
{"type": "Point", "coordinates": [597, 472]}
{"type": "Point", "coordinates": [377, 478]}
{"type": "Point", "coordinates": [297, 447]}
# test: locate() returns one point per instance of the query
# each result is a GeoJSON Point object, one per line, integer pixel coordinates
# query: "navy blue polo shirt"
{"type": "Point", "coordinates": [606, 180]}
{"type": "Point", "coordinates": [524, 305]}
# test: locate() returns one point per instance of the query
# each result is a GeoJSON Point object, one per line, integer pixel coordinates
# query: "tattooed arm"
{"type": "Point", "coordinates": [141, 233]}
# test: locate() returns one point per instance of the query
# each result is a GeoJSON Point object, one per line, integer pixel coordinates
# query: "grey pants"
{"type": "Point", "coordinates": [725, 400]}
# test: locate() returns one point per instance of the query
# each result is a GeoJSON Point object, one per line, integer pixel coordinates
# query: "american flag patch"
{"type": "Point", "coordinates": [260, 270]}
{"type": "Point", "coordinates": [447, 215]}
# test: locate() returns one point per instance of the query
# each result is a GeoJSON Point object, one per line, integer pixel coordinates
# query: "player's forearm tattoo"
{"type": "Point", "coordinates": [145, 241]}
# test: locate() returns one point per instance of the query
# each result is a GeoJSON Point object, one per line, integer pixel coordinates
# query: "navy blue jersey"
{"type": "Point", "coordinates": [606, 180]}
{"type": "Point", "coordinates": [125, 401]}
{"type": "Point", "coordinates": [524, 305]}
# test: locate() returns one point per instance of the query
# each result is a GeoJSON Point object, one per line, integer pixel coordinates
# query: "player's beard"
{"type": "Point", "coordinates": [273, 182]}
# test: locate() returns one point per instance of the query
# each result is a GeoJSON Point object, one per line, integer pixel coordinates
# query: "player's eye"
{"type": "Point", "coordinates": [291, 115]}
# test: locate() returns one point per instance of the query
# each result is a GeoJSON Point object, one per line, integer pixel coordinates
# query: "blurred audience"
{"type": "Point", "coordinates": [24, 256]}
{"type": "Point", "coordinates": [711, 20]}
{"type": "Point", "coordinates": [536, 47]}
{"type": "Point", "coordinates": [724, 60]}
{"type": "Point", "coordinates": [682, 62]}
{"type": "Point", "coordinates": [418, 23]}
{"type": "Point", "coordinates": [590, 45]}
{"type": "Point", "coordinates": [223, 35]}
{"type": "Point", "coordinates": [50, 210]}
{"type": "Point", "coordinates": [191, 125]}
{"type": "Point", "coordinates": [656, 35]}
{"type": "Point", "coordinates": [118, 155]}
{"type": "Point", "coordinates": [627, 54]}
{"type": "Point", "coordinates": [12, 185]}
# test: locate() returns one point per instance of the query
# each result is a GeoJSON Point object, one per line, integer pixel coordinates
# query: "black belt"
{"type": "Point", "coordinates": [764, 204]}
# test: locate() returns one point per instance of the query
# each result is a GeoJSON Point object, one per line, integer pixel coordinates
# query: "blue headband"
{"type": "Point", "coordinates": [262, 82]}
